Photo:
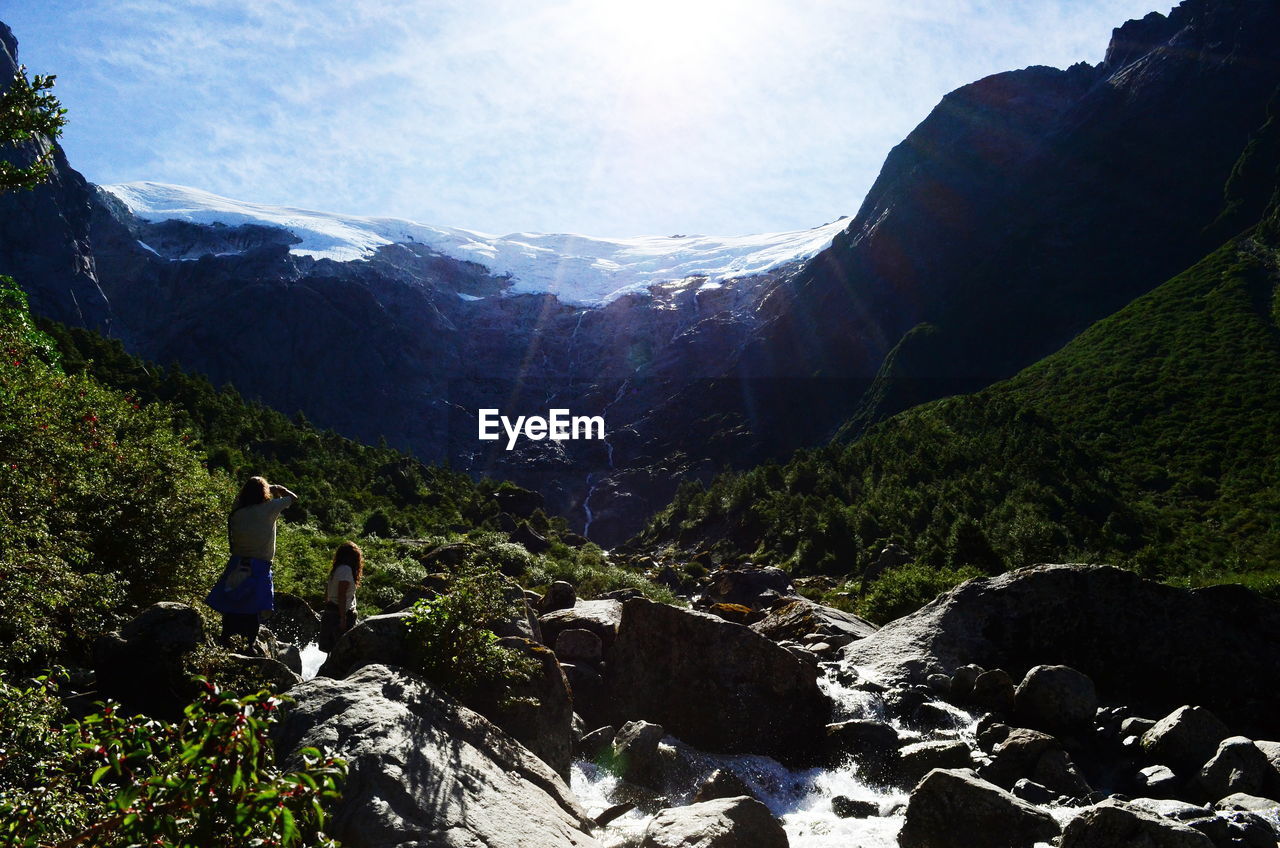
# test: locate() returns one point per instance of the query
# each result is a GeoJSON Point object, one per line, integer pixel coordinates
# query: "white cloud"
{"type": "Point", "coordinates": [598, 116]}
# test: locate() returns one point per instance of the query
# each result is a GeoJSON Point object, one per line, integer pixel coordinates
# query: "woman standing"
{"type": "Point", "coordinates": [246, 593]}
{"type": "Point", "coordinates": [340, 596]}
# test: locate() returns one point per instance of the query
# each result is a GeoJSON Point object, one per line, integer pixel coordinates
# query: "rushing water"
{"type": "Point", "coordinates": [312, 659]}
{"type": "Point", "coordinates": [801, 799]}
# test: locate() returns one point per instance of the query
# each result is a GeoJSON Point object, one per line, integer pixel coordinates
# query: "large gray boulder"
{"type": "Point", "coordinates": [1140, 642]}
{"type": "Point", "coordinates": [958, 809]}
{"type": "Point", "coordinates": [1056, 699]}
{"type": "Point", "coordinates": [716, 685]}
{"type": "Point", "coordinates": [741, 822]}
{"type": "Point", "coordinates": [1185, 738]}
{"type": "Point", "coordinates": [539, 713]}
{"type": "Point", "coordinates": [425, 770]}
{"type": "Point", "coordinates": [1114, 824]}
{"type": "Point", "coordinates": [600, 617]}
{"type": "Point", "coordinates": [1237, 766]}
{"type": "Point", "coordinates": [380, 639]}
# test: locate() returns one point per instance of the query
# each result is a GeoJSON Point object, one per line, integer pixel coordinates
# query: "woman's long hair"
{"type": "Point", "coordinates": [349, 553]}
{"type": "Point", "coordinates": [256, 490]}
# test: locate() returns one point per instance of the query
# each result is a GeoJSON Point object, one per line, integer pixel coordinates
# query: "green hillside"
{"type": "Point", "coordinates": [1152, 440]}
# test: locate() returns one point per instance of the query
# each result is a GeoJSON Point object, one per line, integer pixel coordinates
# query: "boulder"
{"type": "Point", "coordinates": [1185, 738]}
{"type": "Point", "coordinates": [560, 595]}
{"type": "Point", "coordinates": [1248, 803]}
{"type": "Point", "coordinates": [737, 613]}
{"type": "Point", "coordinates": [1114, 824]}
{"type": "Point", "coordinates": [425, 770]}
{"type": "Point", "coordinates": [578, 645]}
{"type": "Point", "coordinates": [962, 682]}
{"type": "Point", "coordinates": [795, 618]}
{"type": "Point", "coordinates": [1158, 782]}
{"type": "Point", "coordinates": [600, 617]}
{"type": "Point", "coordinates": [1142, 643]}
{"type": "Point", "coordinates": [722, 823]}
{"type": "Point", "coordinates": [1134, 726]}
{"type": "Point", "coordinates": [1056, 699]}
{"type": "Point", "coordinates": [1056, 771]}
{"type": "Point", "coordinates": [994, 691]}
{"type": "Point", "coordinates": [717, 685]}
{"type": "Point", "coordinates": [853, 808]}
{"type": "Point", "coordinates": [294, 620]}
{"type": "Point", "coordinates": [378, 639]}
{"type": "Point", "coordinates": [1034, 793]}
{"type": "Point", "coordinates": [1272, 750]}
{"type": "Point", "coordinates": [952, 808]}
{"type": "Point", "coordinates": [538, 712]}
{"type": "Point", "coordinates": [595, 743]}
{"type": "Point", "coordinates": [920, 758]}
{"type": "Point", "coordinates": [1237, 766]}
{"type": "Point", "coordinates": [289, 654]}
{"type": "Point", "coordinates": [872, 745]}
{"type": "Point", "coordinates": [1016, 757]}
{"type": "Point", "coordinates": [746, 585]}
{"type": "Point", "coordinates": [141, 665]}
{"type": "Point", "coordinates": [722, 783]}
{"type": "Point", "coordinates": [1202, 819]}
{"type": "Point", "coordinates": [635, 754]}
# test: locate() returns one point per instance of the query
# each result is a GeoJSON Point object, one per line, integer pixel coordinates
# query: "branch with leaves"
{"type": "Point", "coordinates": [29, 112]}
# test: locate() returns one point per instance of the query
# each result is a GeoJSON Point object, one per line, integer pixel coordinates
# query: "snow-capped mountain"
{"type": "Point", "coordinates": [579, 270]}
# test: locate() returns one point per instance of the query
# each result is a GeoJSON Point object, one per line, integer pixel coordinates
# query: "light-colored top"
{"type": "Point", "coordinates": [252, 529]}
{"type": "Point", "coordinates": [342, 574]}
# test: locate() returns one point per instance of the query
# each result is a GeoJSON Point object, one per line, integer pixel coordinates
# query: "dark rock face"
{"type": "Point", "coordinates": [1141, 643]}
{"type": "Point", "coordinates": [714, 684]}
{"type": "Point", "coordinates": [1056, 698]}
{"type": "Point", "coordinates": [424, 770]}
{"type": "Point", "coordinates": [953, 808]}
{"type": "Point", "coordinates": [141, 664]}
{"type": "Point", "coordinates": [44, 233]}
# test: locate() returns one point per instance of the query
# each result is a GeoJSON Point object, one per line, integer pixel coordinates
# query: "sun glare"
{"type": "Point", "coordinates": [670, 39]}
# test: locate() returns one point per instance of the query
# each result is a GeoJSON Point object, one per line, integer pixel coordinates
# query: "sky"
{"type": "Point", "coordinates": [600, 117]}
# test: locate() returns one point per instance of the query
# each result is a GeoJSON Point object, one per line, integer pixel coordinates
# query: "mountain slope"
{"type": "Point", "coordinates": [1027, 206]}
{"type": "Point", "coordinates": [1150, 440]}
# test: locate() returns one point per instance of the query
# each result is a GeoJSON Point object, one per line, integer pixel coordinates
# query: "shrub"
{"type": "Point", "coordinates": [109, 781]}
{"type": "Point", "coordinates": [452, 639]}
{"type": "Point", "coordinates": [903, 590]}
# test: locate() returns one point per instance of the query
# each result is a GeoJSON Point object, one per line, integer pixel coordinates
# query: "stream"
{"type": "Point", "coordinates": [800, 798]}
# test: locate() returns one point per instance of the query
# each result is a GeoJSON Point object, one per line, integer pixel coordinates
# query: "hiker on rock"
{"type": "Point", "coordinates": [245, 594]}
{"type": "Point", "coordinates": [339, 614]}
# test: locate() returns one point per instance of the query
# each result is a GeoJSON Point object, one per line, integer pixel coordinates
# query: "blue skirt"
{"type": "Point", "coordinates": [246, 586]}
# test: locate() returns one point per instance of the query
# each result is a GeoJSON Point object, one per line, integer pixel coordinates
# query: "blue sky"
{"type": "Point", "coordinates": [603, 117]}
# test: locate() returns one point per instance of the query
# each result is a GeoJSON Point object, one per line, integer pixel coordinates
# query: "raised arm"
{"type": "Point", "coordinates": [281, 492]}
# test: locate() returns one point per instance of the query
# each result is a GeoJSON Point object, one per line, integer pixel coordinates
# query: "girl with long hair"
{"type": "Point", "coordinates": [245, 594]}
{"type": "Point", "coordinates": [339, 614]}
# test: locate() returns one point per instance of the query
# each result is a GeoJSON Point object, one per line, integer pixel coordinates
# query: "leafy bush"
{"type": "Point", "coordinates": [905, 589]}
{"type": "Point", "coordinates": [452, 638]}
{"type": "Point", "coordinates": [101, 501]}
{"type": "Point", "coordinates": [109, 781]}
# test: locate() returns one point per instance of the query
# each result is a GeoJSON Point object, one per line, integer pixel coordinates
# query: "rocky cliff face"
{"type": "Point", "coordinates": [44, 233]}
{"type": "Point", "coordinates": [1025, 207]}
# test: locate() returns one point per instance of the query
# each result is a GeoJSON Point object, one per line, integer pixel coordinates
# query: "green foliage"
{"type": "Point", "coordinates": [28, 112]}
{"type": "Point", "coordinates": [111, 781]}
{"type": "Point", "coordinates": [101, 503]}
{"type": "Point", "coordinates": [905, 589]}
{"type": "Point", "coordinates": [453, 641]}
